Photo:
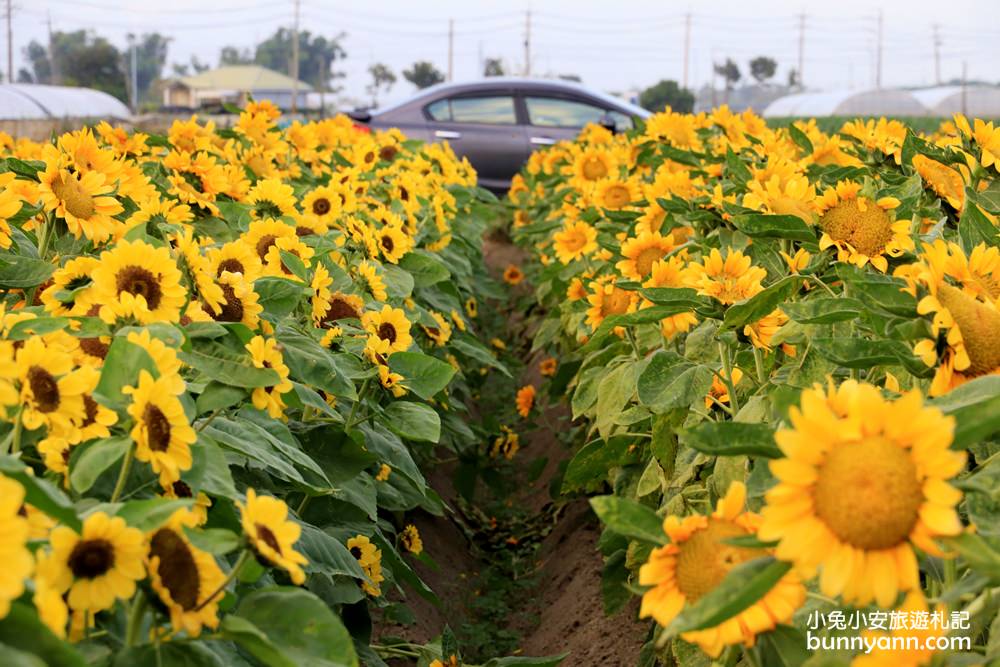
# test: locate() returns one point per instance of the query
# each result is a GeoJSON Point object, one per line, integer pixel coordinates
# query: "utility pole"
{"type": "Point", "coordinates": [965, 71]}
{"type": "Point", "coordinates": [295, 60]}
{"type": "Point", "coordinates": [878, 54]}
{"type": "Point", "coordinates": [451, 49]}
{"type": "Point", "coordinates": [53, 60]}
{"type": "Point", "coordinates": [687, 46]}
{"type": "Point", "coordinates": [937, 54]}
{"type": "Point", "coordinates": [527, 43]}
{"type": "Point", "coordinates": [135, 72]}
{"type": "Point", "coordinates": [10, 42]}
{"type": "Point", "coordinates": [802, 48]}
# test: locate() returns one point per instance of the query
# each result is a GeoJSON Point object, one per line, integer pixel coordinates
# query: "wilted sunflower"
{"type": "Point", "coordinates": [137, 280]}
{"type": "Point", "coordinates": [863, 481]}
{"type": "Point", "coordinates": [51, 390]}
{"type": "Point", "coordinates": [100, 564]}
{"type": "Point", "coordinates": [525, 400]}
{"type": "Point", "coordinates": [272, 535]}
{"type": "Point", "coordinates": [547, 367]}
{"type": "Point", "coordinates": [409, 537]}
{"type": "Point", "coordinates": [576, 239]}
{"type": "Point", "coordinates": [184, 576]}
{"type": "Point", "coordinates": [389, 330]}
{"type": "Point", "coordinates": [264, 353]}
{"type": "Point", "coordinates": [84, 201]}
{"type": "Point", "coordinates": [863, 230]}
{"type": "Point", "coordinates": [69, 293]}
{"type": "Point", "coordinates": [698, 559]}
{"type": "Point", "coordinates": [391, 381]}
{"type": "Point", "coordinates": [162, 433]}
{"type": "Point", "coordinates": [14, 553]}
{"type": "Point", "coordinates": [506, 444]}
{"type": "Point", "coordinates": [370, 558]}
{"type": "Point", "coordinates": [643, 252]}
{"type": "Point", "coordinates": [271, 198]}
{"type": "Point", "coordinates": [728, 280]}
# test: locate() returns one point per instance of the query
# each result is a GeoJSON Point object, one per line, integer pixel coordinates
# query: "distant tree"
{"type": "Point", "coordinates": [493, 67]}
{"type": "Point", "coordinates": [382, 76]}
{"type": "Point", "coordinates": [667, 93]}
{"type": "Point", "coordinates": [82, 58]}
{"type": "Point", "coordinates": [793, 78]}
{"type": "Point", "coordinates": [317, 56]}
{"type": "Point", "coordinates": [423, 74]}
{"type": "Point", "coordinates": [194, 66]}
{"type": "Point", "coordinates": [729, 71]}
{"type": "Point", "coordinates": [763, 68]}
{"type": "Point", "coordinates": [198, 66]}
{"type": "Point", "coordinates": [234, 55]}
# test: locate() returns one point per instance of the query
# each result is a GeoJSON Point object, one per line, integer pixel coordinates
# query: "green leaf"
{"type": "Point", "coordinates": [852, 352]}
{"type": "Point", "coordinates": [218, 396]}
{"type": "Point", "coordinates": [41, 494]}
{"type": "Point", "coordinates": [279, 296]}
{"type": "Point", "coordinates": [425, 268]}
{"type": "Point", "coordinates": [614, 390]}
{"type": "Point", "coordinates": [750, 310]}
{"type": "Point", "coordinates": [590, 466]}
{"type": "Point", "coordinates": [736, 168]}
{"type": "Point", "coordinates": [403, 571]}
{"type": "Point", "coordinates": [801, 140]}
{"type": "Point", "coordinates": [629, 518]}
{"type": "Point", "coordinates": [876, 289]}
{"type": "Point", "coordinates": [88, 461]}
{"type": "Point", "coordinates": [221, 364]}
{"type": "Point", "coordinates": [121, 368]}
{"type": "Point", "coordinates": [216, 541]}
{"type": "Point", "coordinates": [11, 657]}
{"type": "Point", "coordinates": [310, 363]}
{"type": "Point", "coordinates": [669, 381]}
{"type": "Point", "coordinates": [21, 629]}
{"type": "Point", "coordinates": [744, 585]}
{"type": "Point", "coordinates": [684, 298]}
{"type": "Point", "coordinates": [423, 374]}
{"type": "Point", "coordinates": [824, 310]}
{"type": "Point", "coordinates": [413, 421]}
{"type": "Point", "coordinates": [253, 640]}
{"type": "Point", "coordinates": [149, 514]}
{"type": "Point", "coordinates": [981, 555]}
{"type": "Point", "coordinates": [767, 226]}
{"type": "Point", "coordinates": [327, 554]}
{"type": "Point", "coordinates": [975, 228]}
{"type": "Point", "coordinates": [732, 439]}
{"type": "Point", "coordinates": [975, 406]}
{"type": "Point", "coordinates": [38, 326]}
{"type": "Point", "coordinates": [20, 272]}
{"type": "Point", "coordinates": [785, 646]}
{"type": "Point", "coordinates": [168, 654]}
{"type": "Point", "coordinates": [299, 626]}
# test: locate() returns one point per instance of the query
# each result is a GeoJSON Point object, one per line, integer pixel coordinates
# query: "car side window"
{"type": "Point", "coordinates": [556, 112]}
{"type": "Point", "coordinates": [623, 122]}
{"type": "Point", "coordinates": [488, 110]}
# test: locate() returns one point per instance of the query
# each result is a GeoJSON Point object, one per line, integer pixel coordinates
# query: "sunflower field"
{"type": "Point", "coordinates": [781, 351]}
{"type": "Point", "coordinates": [224, 356]}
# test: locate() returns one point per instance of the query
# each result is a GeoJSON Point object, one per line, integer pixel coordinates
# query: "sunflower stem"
{"type": "Point", "coordinates": [727, 368]}
{"type": "Point", "coordinates": [123, 473]}
{"type": "Point", "coordinates": [201, 426]}
{"type": "Point", "coordinates": [15, 442]}
{"type": "Point", "coordinates": [135, 616]}
{"type": "Point", "coordinates": [635, 345]}
{"type": "Point", "coordinates": [822, 284]}
{"type": "Point", "coordinates": [229, 577]}
{"type": "Point", "coordinates": [302, 506]}
{"type": "Point", "coordinates": [354, 408]}
{"type": "Point", "coordinates": [758, 360]}
{"type": "Point", "coordinates": [45, 235]}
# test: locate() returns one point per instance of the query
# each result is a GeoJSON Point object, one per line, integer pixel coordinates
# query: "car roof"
{"type": "Point", "coordinates": [523, 83]}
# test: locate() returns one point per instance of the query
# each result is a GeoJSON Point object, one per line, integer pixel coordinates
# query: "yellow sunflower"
{"type": "Point", "coordinates": [862, 481]}
{"type": "Point", "coordinates": [594, 164]}
{"type": "Point", "coordinates": [393, 243]}
{"type": "Point", "coordinates": [547, 367]}
{"type": "Point", "coordinates": [137, 280]}
{"type": "Point", "coordinates": [441, 333]}
{"type": "Point", "coordinates": [48, 600]}
{"type": "Point", "coordinates": [264, 353]}
{"type": "Point", "coordinates": [372, 280]}
{"type": "Point", "coordinates": [271, 198]}
{"type": "Point", "coordinates": [615, 194]}
{"type": "Point", "coordinates": [389, 330]}
{"type": "Point", "coordinates": [513, 275]}
{"type": "Point", "coordinates": [525, 399]}
{"type": "Point", "coordinates": [946, 182]}
{"type": "Point", "coordinates": [472, 307]}
{"type": "Point", "coordinates": [184, 576]}
{"type": "Point", "coordinates": [906, 646]}
{"type": "Point", "coordinates": [157, 211]}
{"type": "Point", "coordinates": [761, 331]}
{"type": "Point", "coordinates": [391, 381]}
{"type": "Point", "coordinates": [607, 299]}
{"type": "Point", "coordinates": [796, 196]}
{"type": "Point", "coordinates": [84, 201]}
{"type": "Point", "coordinates": [274, 264]}
{"type": "Point", "coordinates": [729, 279]}
{"type": "Point", "coordinates": [14, 553]}
{"type": "Point", "coordinates": [576, 239]}
{"type": "Point", "coordinates": [96, 418]}
{"type": "Point", "coordinates": [260, 237]}
{"type": "Point", "coordinates": [99, 565]}
{"type": "Point", "coordinates": [162, 433]}
{"type": "Point", "coordinates": [698, 559]}
{"type": "Point", "coordinates": [642, 252]}
{"type": "Point", "coordinates": [168, 366]}
{"type": "Point", "coordinates": [370, 558]}
{"type": "Point", "coordinates": [719, 391]}
{"type": "Point", "coordinates": [323, 204]}
{"type": "Point", "coordinates": [409, 537]}
{"type": "Point", "coordinates": [862, 230]}
{"type": "Point", "coordinates": [235, 257]}
{"type": "Point", "coordinates": [51, 390]}
{"type": "Point", "coordinates": [240, 301]}
{"type": "Point", "coordinates": [272, 535]}
{"type": "Point", "coordinates": [198, 270]}
{"type": "Point", "coordinates": [70, 290]}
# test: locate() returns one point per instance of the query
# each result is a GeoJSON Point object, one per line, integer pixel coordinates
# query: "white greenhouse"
{"type": "Point", "coordinates": [973, 101]}
{"type": "Point", "coordinates": [27, 101]}
{"type": "Point", "coordinates": [884, 102]}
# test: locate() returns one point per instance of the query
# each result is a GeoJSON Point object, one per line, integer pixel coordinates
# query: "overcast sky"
{"type": "Point", "coordinates": [613, 45]}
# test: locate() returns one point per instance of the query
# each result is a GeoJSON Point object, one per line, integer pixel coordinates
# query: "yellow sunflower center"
{"type": "Point", "coordinates": [44, 389]}
{"type": "Point", "coordinates": [616, 196]}
{"type": "Point", "coordinates": [574, 241]}
{"type": "Point", "coordinates": [980, 327]}
{"type": "Point", "coordinates": [645, 260]}
{"type": "Point", "coordinates": [139, 282]}
{"type": "Point", "coordinates": [868, 230]}
{"type": "Point", "coordinates": [74, 197]}
{"type": "Point", "coordinates": [705, 560]}
{"type": "Point", "coordinates": [594, 169]}
{"type": "Point", "coordinates": [265, 535]}
{"type": "Point", "coordinates": [868, 493]}
{"type": "Point", "coordinates": [157, 428]}
{"type": "Point", "coordinates": [91, 558]}
{"type": "Point", "coordinates": [386, 331]}
{"type": "Point", "coordinates": [177, 568]}
{"type": "Point", "coordinates": [617, 302]}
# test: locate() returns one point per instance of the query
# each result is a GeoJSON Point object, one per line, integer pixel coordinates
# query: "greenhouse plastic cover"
{"type": "Point", "coordinates": [977, 101]}
{"type": "Point", "coordinates": [27, 101]}
{"type": "Point", "coordinates": [847, 103]}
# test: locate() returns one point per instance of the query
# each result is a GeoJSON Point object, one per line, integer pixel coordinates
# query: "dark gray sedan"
{"type": "Point", "coordinates": [497, 122]}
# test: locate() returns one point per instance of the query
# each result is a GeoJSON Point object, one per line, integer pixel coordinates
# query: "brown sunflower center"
{"type": "Point", "coordinates": [980, 327]}
{"type": "Point", "coordinates": [868, 493]}
{"type": "Point", "coordinates": [705, 559]}
{"type": "Point", "coordinates": [44, 388]}
{"type": "Point", "coordinates": [232, 309]}
{"type": "Point", "coordinates": [387, 153]}
{"type": "Point", "coordinates": [232, 265]}
{"type": "Point", "coordinates": [645, 260]}
{"type": "Point", "coordinates": [594, 169]}
{"type": "Point", "coordinates": [95, 347]}
{"type": "Point", "coordinates": [264, 245]}
{"type": "Point", "coordinates": [182, 490]}
{"type": "Point", "coordinates": [177, 568]}
{"type": "Point", "coordinates": [267, 537]}
{"type": "Point", "coordinates": [158, 428]}
{"type": "Point", "coordinates": [321, 206]}
{"type": "Point", "coordinates": [74, 197]}
{"type": "Point", "coordinates": [868, 230]}
{"type": "Point", "coordinates": [387, 243]}
{"type": "Point", "coordinates": [89, 411]}
{"type": "Point", "coordinates": [91, 558]}
{"type": "Point", "coordinates": [340, 309]}
{"type": "Point", "coordinates": [387, 331]}
{"type": "Point", "coordinates": [356, 552]}
{"type": "Point", "coordinates": [139, 281]}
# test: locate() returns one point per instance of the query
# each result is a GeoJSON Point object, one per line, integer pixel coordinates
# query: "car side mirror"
{"type": "Point", "coordinates": [607, 121]}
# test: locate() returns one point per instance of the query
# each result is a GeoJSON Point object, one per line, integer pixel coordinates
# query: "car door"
{"type": "Point", "coordinates": [553, 118]}
{"type": "Point", "coordinates": [483, 127]}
